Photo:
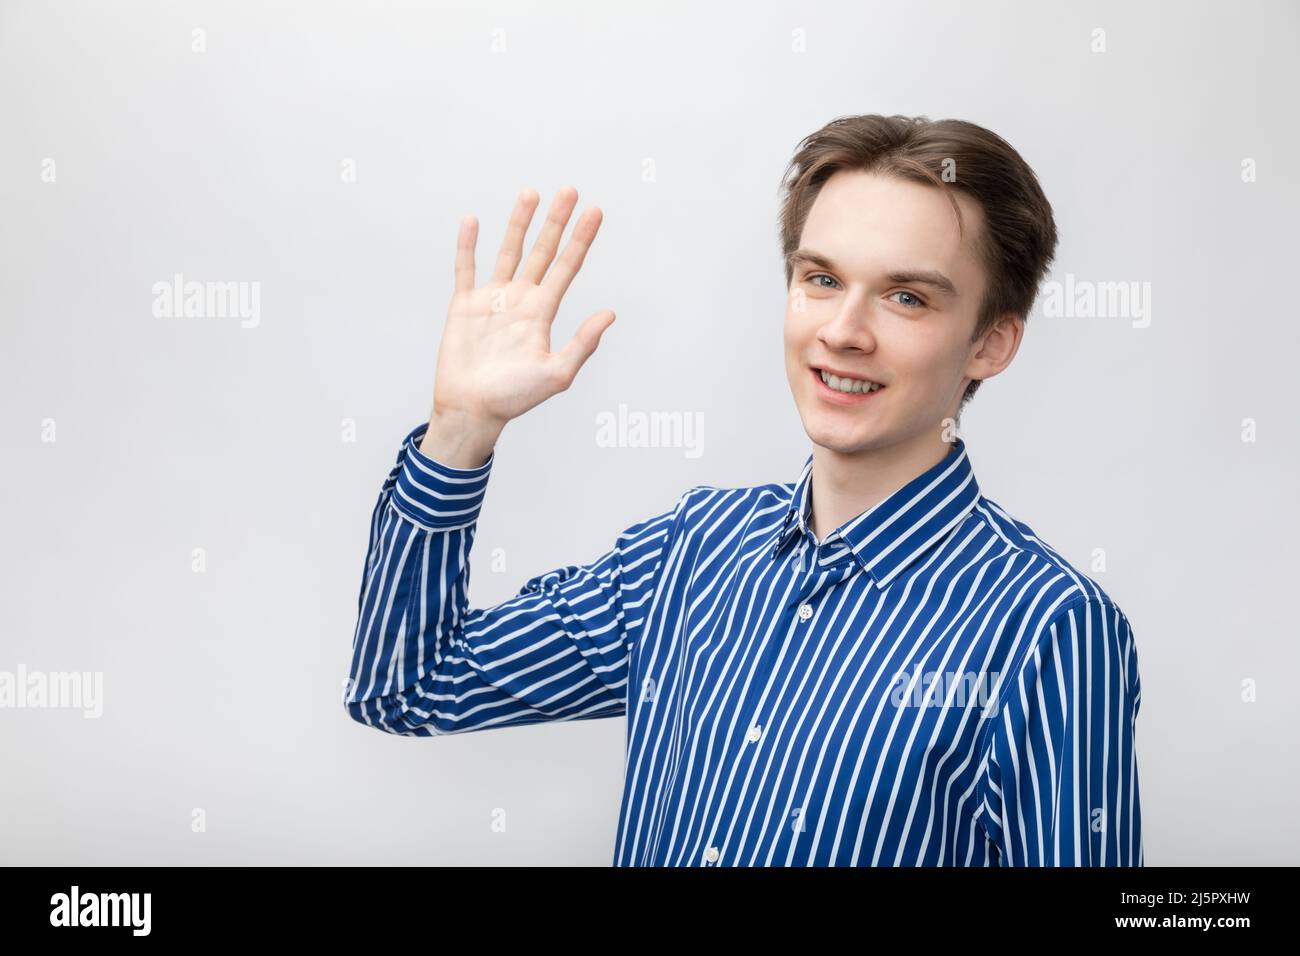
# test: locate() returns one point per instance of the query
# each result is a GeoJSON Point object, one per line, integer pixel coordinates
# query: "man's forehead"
{"type": "Point", "coordinates": [864, 220]}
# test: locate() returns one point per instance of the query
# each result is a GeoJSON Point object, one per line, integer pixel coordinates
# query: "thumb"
{"type": "Point", "coordinates": [580, 348]}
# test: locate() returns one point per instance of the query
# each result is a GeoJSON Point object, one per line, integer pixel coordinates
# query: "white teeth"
{"type": "Point", "coordinates": [849, 384]}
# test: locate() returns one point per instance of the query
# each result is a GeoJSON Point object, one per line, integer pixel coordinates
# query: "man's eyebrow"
{"type": "Point", "coordinates": [930, 277]}
{"type": "Point", "coordinates": [813, 258]}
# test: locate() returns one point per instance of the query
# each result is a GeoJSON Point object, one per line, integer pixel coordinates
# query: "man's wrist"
{"type": "Point", "coordinates": [459, 440]}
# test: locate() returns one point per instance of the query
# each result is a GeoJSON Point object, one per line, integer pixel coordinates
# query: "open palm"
{"type": "Point", "coordinates": [495, 360]}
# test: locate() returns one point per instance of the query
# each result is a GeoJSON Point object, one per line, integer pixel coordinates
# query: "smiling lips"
{"type": "Point", "coordinates": [844, 391]}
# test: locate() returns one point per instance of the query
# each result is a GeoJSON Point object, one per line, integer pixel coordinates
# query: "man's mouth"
{"type": "Point", "coordinates": [842, 389]}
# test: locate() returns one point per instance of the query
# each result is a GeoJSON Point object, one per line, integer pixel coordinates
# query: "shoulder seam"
{"type": "Point", "coordinates": [1079, 599]}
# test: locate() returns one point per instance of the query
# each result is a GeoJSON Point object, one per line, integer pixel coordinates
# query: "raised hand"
{"type": "Point", "coordinates": [495, 360]}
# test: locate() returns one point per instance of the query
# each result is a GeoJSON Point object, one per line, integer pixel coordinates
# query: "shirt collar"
{"type": "Point", "coordinates": [888, 537]}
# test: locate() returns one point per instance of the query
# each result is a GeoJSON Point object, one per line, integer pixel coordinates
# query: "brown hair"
{"type": "Point", "coordinates": [1019, 239]}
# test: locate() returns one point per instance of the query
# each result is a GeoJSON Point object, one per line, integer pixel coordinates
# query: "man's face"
{"type": "Point", "coordinates": [869, 296]}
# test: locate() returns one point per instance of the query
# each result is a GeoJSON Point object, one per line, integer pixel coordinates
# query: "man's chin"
{"type": "Point", "coordinates": [847, 441]}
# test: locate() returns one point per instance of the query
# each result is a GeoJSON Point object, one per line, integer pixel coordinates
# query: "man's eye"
{"type": "Point", "coordinates": [916, 303]}
{"type": "Point", "coordinates": [822, 275]}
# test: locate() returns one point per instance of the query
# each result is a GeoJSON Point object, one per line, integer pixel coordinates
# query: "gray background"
{"type": "Point", "coordinates": [222, 689]}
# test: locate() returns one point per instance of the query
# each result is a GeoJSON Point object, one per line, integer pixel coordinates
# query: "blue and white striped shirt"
{"type": "Point", "coordinates": [931, 684]}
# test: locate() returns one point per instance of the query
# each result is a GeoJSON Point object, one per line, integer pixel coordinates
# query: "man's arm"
{"type": "Point", "coordinates": [425, 663]}
{"type": "Point", "coordinates": [1061, 782]}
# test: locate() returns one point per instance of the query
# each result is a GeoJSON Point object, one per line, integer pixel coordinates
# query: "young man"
{"type": "Point", "coordinates": [873, 664]}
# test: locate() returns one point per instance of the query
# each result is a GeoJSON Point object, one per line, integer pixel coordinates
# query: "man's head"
{"type": "Point", "coordinates": [913, 254]}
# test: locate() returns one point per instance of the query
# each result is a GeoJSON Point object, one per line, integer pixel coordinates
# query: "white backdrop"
{"type": "Point", "coordinates": [326, 153]}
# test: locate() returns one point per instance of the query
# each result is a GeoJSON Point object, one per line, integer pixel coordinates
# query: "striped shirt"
{"type": "Point", "coordinates": [930, 684]}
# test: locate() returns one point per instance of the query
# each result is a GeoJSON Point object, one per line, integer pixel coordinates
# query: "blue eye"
{"type": "Point", "coordinates": [920, 303]}
{"type": "Point", "coordinates": [822, 275]}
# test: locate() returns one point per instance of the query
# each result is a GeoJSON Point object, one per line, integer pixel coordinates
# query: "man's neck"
{"type": "Point", "coordinates": [845, 485]}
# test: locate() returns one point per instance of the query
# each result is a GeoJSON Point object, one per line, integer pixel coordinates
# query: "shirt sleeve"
{"type": "Point", "coordinates": [425, 663]}
{"type": "Point", "coordinates": [1061, 782]}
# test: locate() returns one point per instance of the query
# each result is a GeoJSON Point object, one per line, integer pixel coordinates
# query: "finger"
{"type": "Point", "coordinates": [570, 261]}
{"type": "Point", "coordinates": [512, 246]}
{"type": "Point", "coordinates": [465, 242]}
{"type": "Point", "coordinates": [580, 348]}
{"type": "Point", "coordinates": [548, 240]}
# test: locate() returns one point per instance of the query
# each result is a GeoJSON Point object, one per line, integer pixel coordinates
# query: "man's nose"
{"type": "Point", "coordinates": [850, 327]}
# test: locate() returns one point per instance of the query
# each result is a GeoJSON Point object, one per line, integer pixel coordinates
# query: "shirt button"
{"type": "Point", "coordinates": [805, 611]}
{"type": "Point", "coordinates": [754, 733]}
{"type": "Point", "coordinates": [711, 854]}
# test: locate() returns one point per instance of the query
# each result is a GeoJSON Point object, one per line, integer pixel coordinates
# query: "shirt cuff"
{"type": "Point", "coordinates": [436, 495]}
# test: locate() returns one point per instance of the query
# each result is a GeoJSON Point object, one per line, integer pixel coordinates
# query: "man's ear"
{"type": "Point", "coordinates": [996, 347]}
